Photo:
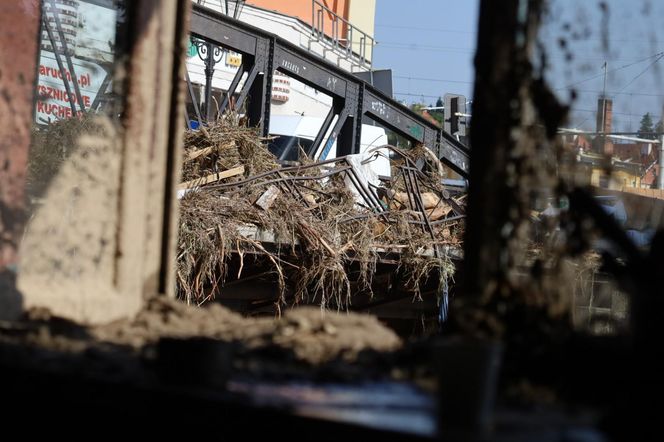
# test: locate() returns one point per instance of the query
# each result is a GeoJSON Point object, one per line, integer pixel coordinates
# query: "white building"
{"type": "Point", "coordinates": [289, 96]}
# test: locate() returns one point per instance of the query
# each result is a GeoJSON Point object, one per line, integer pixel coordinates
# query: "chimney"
{"type": "Point", "coordinates": [604, 120]}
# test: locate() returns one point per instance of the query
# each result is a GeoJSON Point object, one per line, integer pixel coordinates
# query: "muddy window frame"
{"type": "Point", "coordinates": [139, 262]}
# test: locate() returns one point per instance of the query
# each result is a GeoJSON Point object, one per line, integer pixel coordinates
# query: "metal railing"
{"type": "Point", "coordinates": [343, 43]}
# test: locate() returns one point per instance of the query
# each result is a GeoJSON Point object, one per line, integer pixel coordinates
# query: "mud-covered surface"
{"type": "Point", "coordinates": [305, 342]}
{"type": "Point", "coordinates": [185, 361]}
{"type": "Point", "coordinates": [69, 247]}
{"type": "Point", "coordinates": [341, 367]}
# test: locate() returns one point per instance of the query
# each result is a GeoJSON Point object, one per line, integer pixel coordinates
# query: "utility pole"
{"type": "Point", "coordinates": [602, 129]}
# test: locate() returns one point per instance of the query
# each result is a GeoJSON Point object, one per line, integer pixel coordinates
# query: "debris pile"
{"type": "Point", "coordinates": [311, 336]}
{"type": "Point", "coordinates": [319, 229]}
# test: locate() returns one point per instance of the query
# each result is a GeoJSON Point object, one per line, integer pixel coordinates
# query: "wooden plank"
{"type": "Point", "coordinates": [211, 178]}
{"type": "Point", "coordinates": [200, 152]}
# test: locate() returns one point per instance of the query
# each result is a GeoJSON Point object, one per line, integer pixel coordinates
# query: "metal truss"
{"type": "Point", "coordinates": [352, 98]}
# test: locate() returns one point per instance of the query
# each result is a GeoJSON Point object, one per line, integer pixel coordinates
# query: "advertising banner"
{"type": "Point", "coordinates": [82, 33]}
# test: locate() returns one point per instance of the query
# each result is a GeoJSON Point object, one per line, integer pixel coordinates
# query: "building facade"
{"type": "Point", "coordinates": [340, 31]}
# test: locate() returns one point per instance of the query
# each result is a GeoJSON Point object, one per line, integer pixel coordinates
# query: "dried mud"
{"type": "Point", "coordinates": [313, 336]}
{"type": "Point", "coordinates": [304, 342]}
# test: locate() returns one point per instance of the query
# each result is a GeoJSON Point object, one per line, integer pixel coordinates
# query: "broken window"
{"type": "Point", "coordinates": [74, 165]}
{"type": "Point", "coordinates": [602, 62]}
{"type": "Point", "coordinates": [96, 171]}
{"type": "Point", "coordinates": [75, 85]}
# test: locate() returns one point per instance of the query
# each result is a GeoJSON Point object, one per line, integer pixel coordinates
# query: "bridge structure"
{"type": "Point", "coordinates": [264, 53]}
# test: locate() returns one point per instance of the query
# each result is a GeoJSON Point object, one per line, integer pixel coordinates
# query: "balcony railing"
{"type": "Point", "coordinates": [343, 33]}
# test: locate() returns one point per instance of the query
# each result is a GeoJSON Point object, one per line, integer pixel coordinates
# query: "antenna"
{"type": "Point", "coordinates": [604, 98]}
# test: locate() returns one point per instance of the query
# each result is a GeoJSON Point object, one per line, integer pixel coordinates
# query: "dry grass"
{"type": "Point", "coordinates": [318, 229]}
{"type": "Point", "coordinates": [230, 144]}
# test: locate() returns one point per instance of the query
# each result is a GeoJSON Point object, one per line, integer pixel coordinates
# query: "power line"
{"type": "Point", "coordinates": [641, 94]}
{"type": "Point", "coordinates": [438, 80]}
{"type": "Point", "coordinates": [416, 95]}
{"type": "Point", "coordinates": [592, 111]}
{"type": "Point", "coordinates": [659, 54]}
{"type": "Point", "coordinates": [548, 33]}
{"type": "Point", "coordinates": [590, 59]}
{"type": "Point", "coordinates": [457, 31]}
{"type": "Point", "coordinates": [425, 29]}
{"type": "Point", "coordinates": [416, 48]}
{"type": "Point", "coordinates": [418, 45]}
{"type": "Point", "coordinates": [455, 50]}
{"type": "Point", "coordinates": [642, 72]}
{"type": "Point", "coordinates": [595, 110]}
{"type": "Point", "coordinates": [659, 57]}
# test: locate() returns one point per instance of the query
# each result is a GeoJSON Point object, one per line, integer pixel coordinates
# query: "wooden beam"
{"type": "Point", "coordinates": [213, 177]}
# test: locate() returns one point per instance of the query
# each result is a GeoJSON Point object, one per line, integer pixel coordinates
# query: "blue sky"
{"type": "Point", "coordinates": [429, 44]}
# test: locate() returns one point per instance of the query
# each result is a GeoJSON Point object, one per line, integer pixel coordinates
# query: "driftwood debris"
{"type": "Point", "coordinates": [201, 152]}
{"type": "Point", "coordinates": [268, 198]}
{"type": "Point", "coordinates": [318, 229]}
{"type": "Point", "coordinates": [212, 178]}
{"type": "Point", "coordinates": [430, 199]}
